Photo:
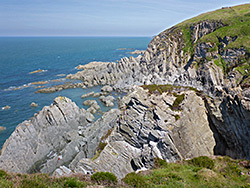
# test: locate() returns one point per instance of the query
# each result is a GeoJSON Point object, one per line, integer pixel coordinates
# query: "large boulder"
{"type": "Point", "coordinates": [36, 144]}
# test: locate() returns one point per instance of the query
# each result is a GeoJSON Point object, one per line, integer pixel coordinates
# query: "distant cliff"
{"type": "Point", "coordinates": [188, 95]}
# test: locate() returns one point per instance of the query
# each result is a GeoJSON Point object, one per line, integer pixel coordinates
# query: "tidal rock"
{"type": "Point", "coordinates": [37, 71]}
{"type": "Point", "coordinates": [87, 95]}
{"type": "Point", "coordinates": [107, 89]}
{"type": "Point", "coordinates": [89, 102]}
{"type": "Point", "coordinates": [7, 107]}
{"type": "Point", "coordinates": [108, 101]}
{"type": "Point", "coordinates": [61, 87]}
{"type": "Point", "coordinates": [137, 52]}
{"type": "Point", "coordinates": [33, 104]}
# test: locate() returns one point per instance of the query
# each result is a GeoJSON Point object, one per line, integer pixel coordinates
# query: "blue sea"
{"type": "Point", "coordinates": [57, 57]}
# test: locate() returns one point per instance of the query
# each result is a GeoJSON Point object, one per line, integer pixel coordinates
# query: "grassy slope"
{"type": "Point", "coordinates": [198, 172]}
{"type": "Point", "coordinates": [237, 23]}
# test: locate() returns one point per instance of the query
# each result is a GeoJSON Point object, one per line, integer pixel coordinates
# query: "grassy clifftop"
{"type": "Point", "coordinates": [227, 44]}
{"type": "Point", "coordinates": [197, 172]}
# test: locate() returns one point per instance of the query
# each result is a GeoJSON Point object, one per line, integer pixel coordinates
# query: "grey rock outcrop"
{"type": "Point", "coordinates": [35, 144]}
{"type": "Point", "coordinates": [87, 95]}
{"type": "Point", "coordinates": [56, 136]}
{"type": "Point", "coordinates": [108, 101]}
{"type": "Point", "coordinates": [107, 89]}
{"type": "Point", "coordinates": [147, 128]}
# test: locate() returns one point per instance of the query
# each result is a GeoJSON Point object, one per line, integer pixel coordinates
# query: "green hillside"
{"type": "Point", "coordinates": [234, 24]}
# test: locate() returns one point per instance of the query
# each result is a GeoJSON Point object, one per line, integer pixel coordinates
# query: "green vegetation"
{"type": "Point", "coordinates": [177, 117]}
{"type": "Point", "coordinates": [203, 161]}
{"type": "Point", "coordinates": [187, 33]}
{"type": "Point", "coordinates": [234, 23]}
{"type": "Point", "coordinates": [198, 172]}
{"type": "Point", "coordinates": [102, 144]}
{"type": "Point", "coordinates": [104, 178]}
{"type": "Point", "coordinates": [176, 105]}
{"type": "Point", "coordinates": [41, 181]}
{"type": "Point", "coordinates": [159, 89]}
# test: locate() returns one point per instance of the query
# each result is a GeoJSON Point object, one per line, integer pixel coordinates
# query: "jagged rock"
{"type": "Point", "coordinates": [97, 95]}
{"type": "Point", "coordinates": [108, 101]}
{"type": "Point", "coordinates": [93, 106]}
{"type": "Point", "coordinates": [61, 87]}
{"type": "Point", "coordinates": [89, 117]}
{"type": "Point", "coordinates": [88, 95]}
{"type": "Point", "coordinates": [89, 102]}
{"type": "Point", "coordinates": [107, 89]}
{"type": "Point", "coordinates": [142, 134]}
{"type": "Point", "coordinates": [62, 171]}
{"type": "Point", "coordinates": [33, 104]}
{"type": "Point", "coordinates": [137, 52]}
{"type": "Point", "coordinates": [36, 144]}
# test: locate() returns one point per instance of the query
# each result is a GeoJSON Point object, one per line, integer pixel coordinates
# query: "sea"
{"type": "Point", "coordinates": [56, 57]}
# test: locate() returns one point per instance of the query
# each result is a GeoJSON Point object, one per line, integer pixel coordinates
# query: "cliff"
{"type": "Point", "coordinates": [188, 95]}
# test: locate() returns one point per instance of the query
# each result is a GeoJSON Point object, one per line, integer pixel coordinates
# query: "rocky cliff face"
{"type": "Point", "coordinates": [149, 128]}
{"type": "Point", "coordinates": [57, 135]}
{"type": "Point", "coordinates": [172, 123]}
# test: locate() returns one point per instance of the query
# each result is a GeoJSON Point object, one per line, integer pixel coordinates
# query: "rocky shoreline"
{"type": "Point", "coordinates": [180, 104]}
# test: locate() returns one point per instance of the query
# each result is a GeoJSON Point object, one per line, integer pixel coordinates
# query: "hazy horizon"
{"type": "Point", "coordinates": [98, 18]}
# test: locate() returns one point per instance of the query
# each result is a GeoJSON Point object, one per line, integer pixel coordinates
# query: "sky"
{"type": "Point", "coordinates": [99, 17]}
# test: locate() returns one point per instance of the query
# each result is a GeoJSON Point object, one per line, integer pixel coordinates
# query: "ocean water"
{"type": "Point", "coordinates": [57, 57]}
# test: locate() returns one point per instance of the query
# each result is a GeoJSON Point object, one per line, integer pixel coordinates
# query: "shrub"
{"type": "Point", "coordinates": [202, 161]}
{"type": "Point", "coordinates": [28, 183]}
{"type": "Point", "coordinates": [3, 174]}
{"type": "Point", "coordinates": [73, 182]}
{"type": "Point", "coordinates": [135, 180]}
{"type": "Point", "coordinates": [177, 117]}
{"type": "Point", "coordinates": [104, 178]}
{"type": "Point", "coordinates": [160, 163]}
{"type": "Point", "coordinates": [177, 102]}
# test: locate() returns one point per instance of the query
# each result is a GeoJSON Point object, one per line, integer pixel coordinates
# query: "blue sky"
{"type": "Point", "coordinates": [99, 17]}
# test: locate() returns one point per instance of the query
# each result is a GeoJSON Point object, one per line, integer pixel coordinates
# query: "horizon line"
{"type": "Point", "coordinates": [71, 36]}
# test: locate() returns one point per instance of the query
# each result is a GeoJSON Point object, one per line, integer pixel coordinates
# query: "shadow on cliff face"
{"type": "Point", "coordinates": [230, 123]}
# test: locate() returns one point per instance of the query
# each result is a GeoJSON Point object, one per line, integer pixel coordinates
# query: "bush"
{"type": "Point", "coordinates": [73, 182]}
{"type": "Point", "coordinates": [104, 178]}
{"type": "Point", "coordinates": [202, 161]}
{"type": "Point", "coordinates": [3, 174]}
{"type": "Point", "coordinates": [177, 102]}
{"type": "Point", "coordinates": [160, 163]}
{"type": "Point", "coordinates": [135, 180]}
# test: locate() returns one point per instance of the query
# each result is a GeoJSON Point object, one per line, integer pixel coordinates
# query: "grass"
{"type": "Point", "coordinates": [235, 23]}
{"type": "Point", "coordinates": [176, 105]}
{"type": "Point", "coordinates": [104, 178]}
{"type": "Point", "coordinates": [40, 181]}
{"type": "Point", "coordinates": [198, 172]}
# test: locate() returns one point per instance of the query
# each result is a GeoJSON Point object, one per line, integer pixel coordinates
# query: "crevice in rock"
{"type": "Point", "coordinates": [61, 112]}
{"type": "Point", "coordinates": [221, 145]}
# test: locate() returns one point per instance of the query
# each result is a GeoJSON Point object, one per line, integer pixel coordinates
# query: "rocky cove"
{"type": "Point", "coordinates": [182, 101]}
